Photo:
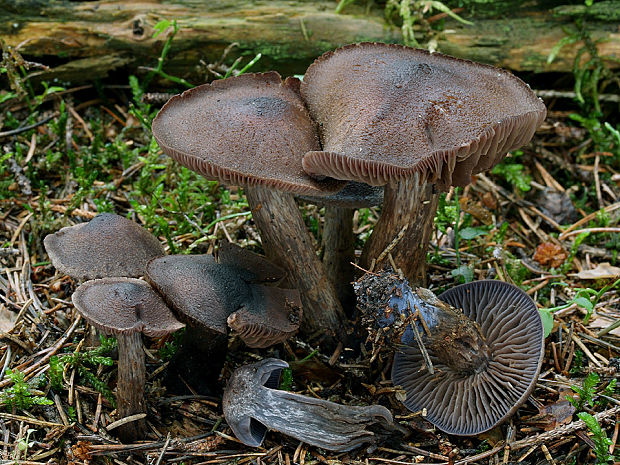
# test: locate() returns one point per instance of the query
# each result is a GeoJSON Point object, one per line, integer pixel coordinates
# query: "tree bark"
{"type": "Point", "coordinates": [288, 243]}
{"type": "Point", "coordinates": [87, 40]}
{"type": "Point", "coordinates": [408, 211]}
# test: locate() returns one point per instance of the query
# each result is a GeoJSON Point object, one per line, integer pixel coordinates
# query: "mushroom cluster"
{"type": "Point", "coordinates": [370, 123]}
{"type": "Point", "coordinates": [371, 114]}
{"type": "Point", "coordinates": [237, 290]}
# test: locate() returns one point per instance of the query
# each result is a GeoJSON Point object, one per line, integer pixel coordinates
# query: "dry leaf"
{"type": "Point", "coordinates": [599, 322]}
{"type": "Point", "coordinates": [602, 271]}
{"type": "Point", "coordinates": [550, 254]}
{"type": "Point", "coordinates": [7, 319]}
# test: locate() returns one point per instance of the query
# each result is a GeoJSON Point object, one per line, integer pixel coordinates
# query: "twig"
{"type": "Point", "coordinates": [14, 132]}
{"type": "Point", "coordinates": [566, 234]}
{"type": "Point", "coordinates": [124, 421]}
{"type": "Point", "coordinates": [418, 338]}
{"type": "Point", "coordinates": [563, 430]}
{"type": "Point", "coordinates": [591, 216]}
{"type": "Point", "coordinates": [163, 450]}
{"type": "Point", "coordinates": [55, 348]}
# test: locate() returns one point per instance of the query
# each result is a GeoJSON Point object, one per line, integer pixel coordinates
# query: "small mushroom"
{"type": "Point", "coordinates": [470, 358]}
{"type": "Point", "coordinates": [253, 405]}
{"type": "Point", "coordinates": [207, 294]}
{"type": "Point", "coordinates": [126, 307]}
{"type": "Point", "coordinates": [107, 246]}
{"type": "Point", "coordinates": [409, 119]}
{"type": "Point", "coordinates": [252, 130]}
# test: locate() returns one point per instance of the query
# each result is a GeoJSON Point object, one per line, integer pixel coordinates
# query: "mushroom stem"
{"type": "Point", "coordinates": [409, 204]}
{"type": "Point", "coordinates": [390, 303]}
{"type": "Point", "coordinates": [338, 253]}
{"type": "Point", "coordinates": [130, 385]}
{"type": "Point", "coordinates": [288, 243]}
{"type": "Point", "coordinates": [198, 361]}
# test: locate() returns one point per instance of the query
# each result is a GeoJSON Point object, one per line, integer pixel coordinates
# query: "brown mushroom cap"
{"type": "Point", "coordinates": [471, 404]}
{"type": "Point", "coordinates": [124, 305]}
{"type": "Point", "coordinates": [386, 111]}
{"type": "Point", "coordinates": [200, 291]}
{"type": "Point", "coordinates": [107, 246]}
{"type": "Point", "coordinates": [274, 318]}
{"type": "Point", "coordinates": [246, 130]}
{"type": "Point", "coordinates": [261, 269]}
{"type": "Point", "coordinates": [211, 293]}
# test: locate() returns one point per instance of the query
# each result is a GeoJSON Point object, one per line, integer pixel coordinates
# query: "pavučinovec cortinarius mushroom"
{"type": "Point", "coordinates": [469, 358]}
{"type": "Point", "coordinates": [126, 308]}
{"type": "Point", "coordinates": [413, 121]}
{"type": "Point", "coordinates": [106, 246]}
{"type": "Point", "coordinates": [253, 404]}
{"type": "Point", "coordinates": [252, 130]}
{"type": "Point", "coordinates": [236, 289]}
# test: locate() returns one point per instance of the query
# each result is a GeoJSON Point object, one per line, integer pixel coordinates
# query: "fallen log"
{"type": "Point", "coordinates": [86, 40]}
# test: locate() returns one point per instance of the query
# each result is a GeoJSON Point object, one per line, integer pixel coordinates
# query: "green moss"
{"type": "Point", "coordinates": [601, 11]}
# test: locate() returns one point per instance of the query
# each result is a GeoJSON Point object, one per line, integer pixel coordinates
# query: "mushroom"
{"type": "Point", "coordinates": [469, 358]}
{"type": "Point", "coordinates": [337, 242]}
{"type": "Point", "coordinates": [252, 130]}
{"type": "Point", "coordinates": [107, 246]}
{"type": "Point", "coordinates": [406, 118]}
{"type": "Point", "coordinates": [126, 307]}
{"type": "Point", "coordinates": [207, 295]}
{"type": "Point", "coordinates": [252, 405]}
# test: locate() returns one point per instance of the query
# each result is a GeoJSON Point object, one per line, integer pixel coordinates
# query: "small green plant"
{"type": "Point", "coordinates": [82, 361]}
{"type": "Point", "coordinates": [587, 299]}
{"type": "Point", "coordinates": [514, 173]}
{"type": "Point", "coordinates": [599, 438]}
{"type": "Point", "coordinates": [21, 395]}
{"type": "Point", "coordinates": [592, 76]}
{"type": "Point", "coordinates": [24, 444]}
{"type": "Point", "coordinates": [412, 12]}
{"type": "Point", "coordinates": [586, 392]}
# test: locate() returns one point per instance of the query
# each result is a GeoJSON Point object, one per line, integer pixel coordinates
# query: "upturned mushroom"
{"type": "Point", "coordinates": [106, 246]}
{"type": "Point", "coordinates": [252, 130]}
{"type": "Point", "coordinates": [410, 120]}
{"type": "Point", "coordinates": [126, 308]}
{"type": "Point", "coordinates": [470, 358]}
{"type": "Point", "coordinates": [236, 289]}
{"type": "Point", "coordinates": [253, 405]}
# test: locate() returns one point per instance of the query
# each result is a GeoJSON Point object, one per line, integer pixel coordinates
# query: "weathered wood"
{"type": "Point", "coordinates": [108, 34]}
{"type": "Point", "coordinates": [338, 253]}
{"type": "Point", "coordinates": [288, 243]}
{"type": "Point", "coordinates": [406, 205]}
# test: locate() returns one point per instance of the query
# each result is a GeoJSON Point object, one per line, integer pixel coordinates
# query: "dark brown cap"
{"type": "Point", "coordinates": [387, 111]}
{"type": "Point", "coordinates": [469, 404]}
{"type": "Point", "coordinates": [246, 130]}
{"type": "Point", "coordinates": [211, 293]}
{"type": "Point", "coordinates": [199, 290]}
{"type": "Point", "coordinates": [273, 317]}
{"type": "Point", "coordinates": [124, 306]}
{"type": "Point", "coordinates": [108, 245]}
{"type": "Point", "coordinates": [261, 269]}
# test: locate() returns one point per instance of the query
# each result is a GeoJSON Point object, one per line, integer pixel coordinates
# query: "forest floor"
{"type": "Point", "coordinates": [546, 219]}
